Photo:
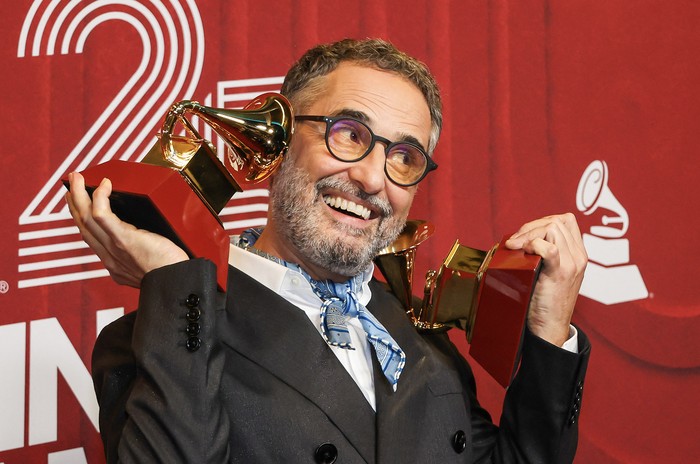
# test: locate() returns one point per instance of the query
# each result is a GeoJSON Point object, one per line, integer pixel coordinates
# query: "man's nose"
{"type": "Point", "coordinates": [369, 172]}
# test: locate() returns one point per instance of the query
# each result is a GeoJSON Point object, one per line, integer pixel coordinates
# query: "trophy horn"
{"type": "Point", "coordinates": [397, 261]}
{"type": "Point", "coordinates": [448, 293]}
{"type": "Point", "coordinates": [256, 138]}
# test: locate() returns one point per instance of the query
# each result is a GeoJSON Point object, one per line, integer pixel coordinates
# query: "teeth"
{"type": "Point", "coordinates": [345, 205]}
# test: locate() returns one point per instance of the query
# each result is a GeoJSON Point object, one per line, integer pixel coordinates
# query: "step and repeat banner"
{"type": "Point", "coordinates": [588, 107]}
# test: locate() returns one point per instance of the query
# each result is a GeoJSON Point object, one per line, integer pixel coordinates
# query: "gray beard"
{"type": "Point", "coordinates": [298, 211]}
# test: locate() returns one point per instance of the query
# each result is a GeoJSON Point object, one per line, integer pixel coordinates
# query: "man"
{"type": "Point", "coordinates": [274, 370]}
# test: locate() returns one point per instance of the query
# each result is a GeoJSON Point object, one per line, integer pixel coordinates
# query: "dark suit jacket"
{"type": "Point", "coordinates": [263, 387]}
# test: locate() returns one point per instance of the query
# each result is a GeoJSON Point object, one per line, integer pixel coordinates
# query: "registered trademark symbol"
{"type": "Point", "coordinates": [4, 286]}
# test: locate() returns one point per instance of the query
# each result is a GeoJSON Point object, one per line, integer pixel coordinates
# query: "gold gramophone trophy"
{"type": "Point", "coordinates": [485, 293]}
{"type": "Point", "coordinates": [180, 186]}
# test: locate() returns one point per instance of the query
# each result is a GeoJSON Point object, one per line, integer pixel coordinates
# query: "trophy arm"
{"type": "Point", "coordinates": [179, 156]}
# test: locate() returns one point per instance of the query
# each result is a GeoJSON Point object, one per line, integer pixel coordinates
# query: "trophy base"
{"type": "Point", "coordinates": [502, 309]}
{"type": "Point", "coordinates": [160, 200]}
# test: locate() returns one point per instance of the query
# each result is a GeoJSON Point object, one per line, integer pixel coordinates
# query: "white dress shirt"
{"type": "Point", "coordinates": [293, 287]}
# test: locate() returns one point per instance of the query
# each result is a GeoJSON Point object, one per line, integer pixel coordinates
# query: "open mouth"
{"type": "Point", "coordinates": [347, 207]}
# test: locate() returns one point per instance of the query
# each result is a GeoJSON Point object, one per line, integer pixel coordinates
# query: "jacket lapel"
{"type": "Point", "coordinates": [280, 338]}
{"type": "Point", "coordinates": [401, 413]}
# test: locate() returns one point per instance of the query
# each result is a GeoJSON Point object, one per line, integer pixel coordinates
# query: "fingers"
{"type": "Point", "coordinates": [80, 207]}
{"type": "Point", "coordinates": [538, 227]}
{"type": "Point", "coordinates": [113, 234]}
{"type": "Point", "coordinates": [538, 237]}
{"type": "Point", "coordinates": [108, 224]}
{"type": "Point", "coordinates": [97, 223]}
{"type": "Point", "coordinates": [558, 241]}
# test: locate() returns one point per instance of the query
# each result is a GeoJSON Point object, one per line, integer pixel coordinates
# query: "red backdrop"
{"type": "Point", "coordinates": [546, 103]}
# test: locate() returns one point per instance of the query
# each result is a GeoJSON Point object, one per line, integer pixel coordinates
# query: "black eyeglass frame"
{"type": "Point", "coordinates": [388, 145]}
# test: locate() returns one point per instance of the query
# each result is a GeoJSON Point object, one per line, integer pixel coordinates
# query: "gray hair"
{"type": "Point", "coordinates": [302, 83]}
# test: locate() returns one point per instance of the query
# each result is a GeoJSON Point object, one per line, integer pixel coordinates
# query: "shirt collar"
{"type": "Point", "coordinates": [273, 275]}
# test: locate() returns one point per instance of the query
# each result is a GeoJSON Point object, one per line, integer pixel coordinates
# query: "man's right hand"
{"type": "Point", "coordinates": [128, 253]}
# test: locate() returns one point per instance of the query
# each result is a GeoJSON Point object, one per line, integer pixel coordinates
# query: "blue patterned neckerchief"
{"type": "Point", "coordinates": [339, 304]}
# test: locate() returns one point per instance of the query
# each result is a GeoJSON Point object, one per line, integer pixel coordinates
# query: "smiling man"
{"type": "Point", "coordinates": [310, 222]}
{"type": "Point", "coordinates": [305, 358]}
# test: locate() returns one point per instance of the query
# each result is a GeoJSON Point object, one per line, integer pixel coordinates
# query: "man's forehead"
{"type": "Point", "coordinates": [385, 100]}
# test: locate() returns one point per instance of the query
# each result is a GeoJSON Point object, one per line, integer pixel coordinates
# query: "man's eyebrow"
{"type": "Point", "coordinates": [350, 113]}
{"type": "Point", "coordinates": [411, 139]}
{"type": "Point", "coordinates": [361, 116]}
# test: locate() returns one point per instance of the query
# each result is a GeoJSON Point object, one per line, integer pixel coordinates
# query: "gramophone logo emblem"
{"type": "Point", "coordinates": [610, 277]}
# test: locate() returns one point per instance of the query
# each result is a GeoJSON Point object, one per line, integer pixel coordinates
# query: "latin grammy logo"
{"type": "Point", "coordinates": [609, 278]}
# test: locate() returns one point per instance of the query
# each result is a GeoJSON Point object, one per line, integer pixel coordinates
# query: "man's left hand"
{"type": "Point", "coordinates": [558, 241]}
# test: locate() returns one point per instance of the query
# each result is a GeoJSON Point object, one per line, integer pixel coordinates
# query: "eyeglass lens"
{"type": "Point", "coordinates": [350, 140]}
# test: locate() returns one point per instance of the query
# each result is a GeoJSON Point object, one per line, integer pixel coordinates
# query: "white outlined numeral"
{"type": "Point", "coordinates": [169, 69]}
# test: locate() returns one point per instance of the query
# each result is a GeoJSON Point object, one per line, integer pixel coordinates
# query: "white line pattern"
{"type": "Point", "coordinates": [172, 38]}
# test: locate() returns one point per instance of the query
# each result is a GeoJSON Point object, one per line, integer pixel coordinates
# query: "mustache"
{"type": "Point", "coordinates": [345, 186]}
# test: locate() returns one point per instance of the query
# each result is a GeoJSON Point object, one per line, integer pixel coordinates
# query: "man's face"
{"type": "Point", "coordinates": [311, 192]}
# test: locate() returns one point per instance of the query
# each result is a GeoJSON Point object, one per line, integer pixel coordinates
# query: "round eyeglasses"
{"type": "Point", "coordinates": [350, 140]}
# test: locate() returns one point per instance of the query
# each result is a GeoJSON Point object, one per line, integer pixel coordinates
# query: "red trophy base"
{"type": "Point", "coordinates": [160, 200]}
{"type": "Point", "coordinates": [504, 299]}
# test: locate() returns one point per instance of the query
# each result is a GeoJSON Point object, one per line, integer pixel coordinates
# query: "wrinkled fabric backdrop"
{"type": "Point", "coordinates": [578, 106]}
